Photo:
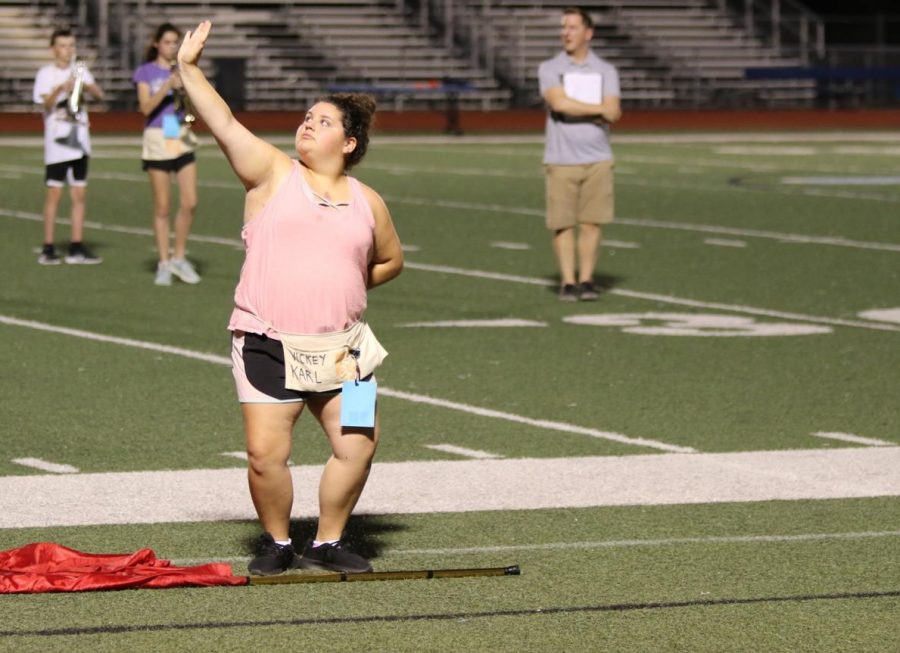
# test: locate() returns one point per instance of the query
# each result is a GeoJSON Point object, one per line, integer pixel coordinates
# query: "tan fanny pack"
{"type": "Point", "coordinates": [157, 147]}
{"type": "Point", "coordinates": [323, 361]}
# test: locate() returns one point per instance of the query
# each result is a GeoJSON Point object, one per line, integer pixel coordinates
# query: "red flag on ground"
{"type": "Point", "coordinates": [49, 567]}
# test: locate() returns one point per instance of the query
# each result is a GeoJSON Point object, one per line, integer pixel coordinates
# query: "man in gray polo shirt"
{"type": "Point", "coordinates": [582, 95]}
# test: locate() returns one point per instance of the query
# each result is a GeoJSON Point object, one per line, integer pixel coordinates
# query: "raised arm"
{"type": "Point", "coordinates": [387, 260]}
{"type": "Point", "coordinates": [609, 110]}
{"type": "Point", "coordinates": [255, 161]}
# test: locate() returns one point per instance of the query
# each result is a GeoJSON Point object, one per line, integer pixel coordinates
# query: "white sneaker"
{"type": "Point", "coordinates": [163, 274]}
{"type": "Point", "coordinates": [183, 269]}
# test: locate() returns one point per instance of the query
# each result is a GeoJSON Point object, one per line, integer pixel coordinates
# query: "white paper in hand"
{"type": "Point", "coordinates": [584, 87]}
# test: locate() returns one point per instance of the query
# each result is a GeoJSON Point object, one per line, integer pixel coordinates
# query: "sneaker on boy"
{"type": "Point", "coordinates": [182, 268]}
{"type": "Point", "coordinates": [49, 256]}
{"type": "Point", "coordinates": [332, 556]}
{"type": "Point", "coordinates": [271, 557]}
{"type": "Point", "coordinates": [81, 255]}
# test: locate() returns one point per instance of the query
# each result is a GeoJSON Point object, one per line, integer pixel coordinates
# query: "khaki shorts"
{"type": "Point", "coordinates": [579, 194]}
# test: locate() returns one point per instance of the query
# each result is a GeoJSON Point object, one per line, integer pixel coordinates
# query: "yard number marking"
{"type": "Point", "coordinates": [691, 324]}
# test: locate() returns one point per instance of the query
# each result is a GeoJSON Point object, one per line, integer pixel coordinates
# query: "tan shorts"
{"type": "Point", "coordinates": [579, 194]}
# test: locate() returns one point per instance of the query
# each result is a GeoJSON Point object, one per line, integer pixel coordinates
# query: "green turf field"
{"type": "Point", "coordinates": [728, 410]}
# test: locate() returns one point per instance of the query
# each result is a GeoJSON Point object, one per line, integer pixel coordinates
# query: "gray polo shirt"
{"type": "Point", "coordinates": [572, 141]}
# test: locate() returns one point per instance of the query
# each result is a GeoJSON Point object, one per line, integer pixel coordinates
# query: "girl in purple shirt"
{"type": "Point", "coordinates": [168, 148]}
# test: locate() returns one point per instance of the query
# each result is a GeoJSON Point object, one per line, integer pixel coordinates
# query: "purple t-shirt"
{"type": "Point", "coordinates": [154, 76]}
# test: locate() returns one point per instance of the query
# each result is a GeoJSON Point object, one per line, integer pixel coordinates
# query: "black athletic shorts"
{"type": "Point", "coordinates": [72, 172]}
{"type": "Point", "coordinates": [169, 165]}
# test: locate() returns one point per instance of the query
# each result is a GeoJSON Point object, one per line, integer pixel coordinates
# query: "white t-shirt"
{"type": "Point", "coordinates": [58, 124]}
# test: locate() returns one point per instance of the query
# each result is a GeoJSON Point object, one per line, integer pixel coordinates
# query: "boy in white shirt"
{"type": "Point", "coordinates": [67, 145]}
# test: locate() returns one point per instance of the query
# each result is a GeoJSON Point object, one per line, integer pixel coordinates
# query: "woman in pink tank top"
{"type": "Point", "coordinates": [316, 240]}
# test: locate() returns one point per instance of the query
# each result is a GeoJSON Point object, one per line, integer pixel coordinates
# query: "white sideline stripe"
{"type": "Point", "coordinates": [842, 181]}
{"type": "Point", "coordinates": [722, 242]}
{"type": "Point", "coordinates": [501, 323]}
{"type": "Point", "coordinates": [45, 466]}
{"type": "Point", "coordinates": [134, 231]}
{"type": "Point", "coordinates": [204, 495]}
{"type": "Point", "coordinates": [240, 455]}
{"type": "Point", "coordinates": [128, 342]}
{"type": "Point", "coordinates": [539, 423]}
{"type": "Point", "coordinates": [501, 244]}
{"type": "Point", "coordinates": [514, 210]}
{"type": "Point", "coordinates": [758, 233]}
{"type": "Point", "coordinates": [463, 451]}
{"type": "Point", "coordinates": [667, 299]}
{"type": "Point", "coordinates": [671, 541]}
{"type": "Point", "coordinates": [546, 282]}
{"type": "Point", "coordinates": [620, 244]}
{"type": "Point", "coordinates": [604, 544]}
{"type": "Point", "coordinates": [661, 224]}
{"type": "Point", "coordinates": [882, 314]}
{"type": "Point", "coordinates": [386, 392]}
{"type": "Point", "coordinates": [855, 439]}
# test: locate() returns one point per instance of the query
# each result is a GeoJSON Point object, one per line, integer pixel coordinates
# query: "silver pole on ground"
{"type": "Point", "coordinates": [411, 574]}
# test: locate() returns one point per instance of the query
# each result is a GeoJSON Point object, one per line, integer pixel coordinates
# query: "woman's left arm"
{"type": "Point", "coordinates": [387, 260]}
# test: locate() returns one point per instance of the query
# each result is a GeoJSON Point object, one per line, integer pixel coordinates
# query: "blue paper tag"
{"type": "Point", "coordinates": [171, 127]}
{"type": "Point", "coordinates": [358, 403]}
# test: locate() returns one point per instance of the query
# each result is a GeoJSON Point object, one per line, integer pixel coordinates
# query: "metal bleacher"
{"type": "Point", "coordinates": [669, 53]}
{"type": "Point", "coordinates": [708, 53]}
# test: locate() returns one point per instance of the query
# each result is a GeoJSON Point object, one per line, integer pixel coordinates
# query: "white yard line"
{"type": "Point", "coordinates": [539, 423]}
{"type": "Point", "coordinates": [620, 244]}
{"type": "Point", "coordinates": [853, 439]}
{"type": "Point", "coordinates": [45, 466]}
{"type": "Point", "coordinates": [384, 391]}
{"type": "Point", "coordinates": [204, 495]}
{"type": "Point", "coordinates": [724, 242]}
{"type": "Point", "coordinates": [500, 244]}
{"type": "Point", "coordinates": [502, 323]}
{"type": "Point", "coordinates": [668, 541]}
{"type": "Point", "coordinates": [669, 299]}
{"type": "Point", "coordinates": [476, 206]}
{"type": "Point", "coordinates": [760, 233]}
{"type": "Point", "coordinates": [666, 299]}
{"type": "Point", "coordinates": [463, 451]}
{"type": "Point", "coordinates": [799, 538]}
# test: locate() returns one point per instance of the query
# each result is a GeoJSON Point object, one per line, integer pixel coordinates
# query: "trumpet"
{"type": "Point", "coordinates": [74, 103]}
{"type": "Point", "coordinates": [183, 102]}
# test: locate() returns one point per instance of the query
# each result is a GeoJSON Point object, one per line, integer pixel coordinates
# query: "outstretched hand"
{"type": "Point", "coordinates": [192, 45]}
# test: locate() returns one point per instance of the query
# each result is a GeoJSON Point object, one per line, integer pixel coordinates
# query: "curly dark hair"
{"type": "Point", "coordinates": [356, 110]}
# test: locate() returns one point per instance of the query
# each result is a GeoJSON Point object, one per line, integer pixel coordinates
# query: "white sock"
{"type": "Point", "coordinates": [320, 543]}
{"type": "Point", "coordinates": [286, 542]}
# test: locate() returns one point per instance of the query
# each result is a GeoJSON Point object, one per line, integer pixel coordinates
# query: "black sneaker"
{"type": "Point", "coordinates": [49, 256]}
{"type": "Point", "coordinates": [333, 557]}
{"type": "Point", "coordinates": [587, 291]}
{"type": "Point", "coordinates": [81, 255]}
{"type": "Point", "coordinates": [568, 293]}
{"type": "Point", "coordinates": [271, 558]}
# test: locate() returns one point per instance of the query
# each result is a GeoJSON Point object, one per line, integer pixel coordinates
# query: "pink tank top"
{"type": "Point", "coordinates": [306, 265]}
